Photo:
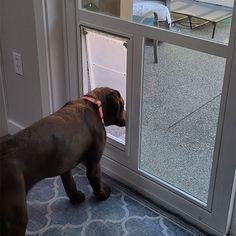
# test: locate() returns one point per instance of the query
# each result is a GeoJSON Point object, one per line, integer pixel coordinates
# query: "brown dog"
{"type": "Point", "coordinates": [53, 146]}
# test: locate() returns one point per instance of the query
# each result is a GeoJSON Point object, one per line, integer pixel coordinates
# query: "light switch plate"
{"type": "Point", "coordinates": [18, 66]}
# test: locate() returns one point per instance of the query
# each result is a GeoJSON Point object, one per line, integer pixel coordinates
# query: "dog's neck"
{"type": "Point", "coordinates": [98, 103]}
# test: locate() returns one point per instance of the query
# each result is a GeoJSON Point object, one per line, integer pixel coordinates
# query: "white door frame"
{"type": "Point", "coordinates": [3, 110]}
{"type": "Point", "coordinates": [43, 56]}
{"type": "Point", "coordinates": [49, 23]}
{"type": "Point", "coordinates": [73, 76]}
{"type": "Point", "coordinates": [3, 104]}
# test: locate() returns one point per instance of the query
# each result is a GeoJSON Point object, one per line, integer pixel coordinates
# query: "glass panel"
{"type": "Point", "coordinates": [104, 65]}
{"type": "Point", "coordinates": [209, 19]}
{"type": "Point", "coordinates": [180, 108]}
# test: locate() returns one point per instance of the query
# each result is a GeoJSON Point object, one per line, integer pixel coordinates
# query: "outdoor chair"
{"type": "Point", "coordinates": [152, 13]}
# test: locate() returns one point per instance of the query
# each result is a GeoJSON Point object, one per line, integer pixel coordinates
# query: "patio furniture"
{"type": "Point", "coordinates": [152, 13]}
{"type": "Point", "coordinates": [208, 12]}
{"type": "Point", "coordinates": [144, 9]}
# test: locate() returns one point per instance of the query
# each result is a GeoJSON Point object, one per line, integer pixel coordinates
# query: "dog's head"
{"type": "Point", "coordinates": [112, 105]}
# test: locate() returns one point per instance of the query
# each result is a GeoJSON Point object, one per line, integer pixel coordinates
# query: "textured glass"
{"type": "Point", "coordinates": [180, 109]}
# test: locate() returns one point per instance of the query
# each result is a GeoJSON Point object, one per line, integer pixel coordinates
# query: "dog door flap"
{"type": "Point", "coordinates": [107, 60]}
{"type": "Point", "coordinates": [105, 65]}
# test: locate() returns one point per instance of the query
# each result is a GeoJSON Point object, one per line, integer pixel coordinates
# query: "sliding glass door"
{"type": "Point", "coordinates": [177, 80]}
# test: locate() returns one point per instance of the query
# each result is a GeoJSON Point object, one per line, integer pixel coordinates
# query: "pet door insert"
{"type": "Point", "coordinates": [105, 65]}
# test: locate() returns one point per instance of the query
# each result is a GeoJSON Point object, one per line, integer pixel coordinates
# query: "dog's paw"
{"type": "Point", "coordinates": [77, 198]}
{"type": "Point", "coordinates": [105, 193]}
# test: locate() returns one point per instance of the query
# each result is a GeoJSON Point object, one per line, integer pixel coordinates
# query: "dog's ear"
{"type": "Point", "coordinates": [115, 98]}
{"type": "Point", "coordinates": [116, 93]}
{"type": "Point", "coordinates": [115, 109]}
{"type": "Point", "coordinates": [109, 103]}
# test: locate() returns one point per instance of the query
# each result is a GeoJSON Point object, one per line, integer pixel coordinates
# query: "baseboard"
{"type": "Point", "coordinates": [13, 127]}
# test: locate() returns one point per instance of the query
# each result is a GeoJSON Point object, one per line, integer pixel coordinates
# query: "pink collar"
{"type": "Point", "coordinates": [98, 103]}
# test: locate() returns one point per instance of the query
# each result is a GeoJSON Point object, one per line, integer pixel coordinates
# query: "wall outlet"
{"type": "Point", "coordinates": [18, 67]}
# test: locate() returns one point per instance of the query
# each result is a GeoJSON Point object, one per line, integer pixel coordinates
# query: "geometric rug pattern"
{"type": "Point", "coordinates": [51, 214]}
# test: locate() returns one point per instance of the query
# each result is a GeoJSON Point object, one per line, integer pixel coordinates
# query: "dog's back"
{"type": "Point", "coordinates": [50, 146]}
{"type": "Point", "coordinates": [53, 146]}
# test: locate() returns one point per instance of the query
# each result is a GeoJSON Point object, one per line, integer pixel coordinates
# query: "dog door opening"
{"type": "Point", "coordinates": [105, 65]}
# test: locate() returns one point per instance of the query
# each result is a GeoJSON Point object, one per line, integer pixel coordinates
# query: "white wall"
{"type": "Point", "coordinates": [18, 35]}
{"type": "Point", "coordinates": [26, 95]}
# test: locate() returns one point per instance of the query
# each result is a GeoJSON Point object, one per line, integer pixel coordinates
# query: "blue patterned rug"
{"type": "Point", "coordinates": [50, 213]}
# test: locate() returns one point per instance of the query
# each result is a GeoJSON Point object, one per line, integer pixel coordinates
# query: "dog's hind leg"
{"type": "Point", "coordinates": [13, 209]}
{"type": "Point", "coordinates": [101, 191]}
{"type": "Point", "coordinates": [74, 195]}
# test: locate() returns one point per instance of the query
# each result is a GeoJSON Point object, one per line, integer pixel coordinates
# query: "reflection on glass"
{"type": "Point", "coordinates": [209, 19]}
{"type": "Point", "coordinates": [180, 108]}
{"type": "Point", "coordinates": [104, 65]}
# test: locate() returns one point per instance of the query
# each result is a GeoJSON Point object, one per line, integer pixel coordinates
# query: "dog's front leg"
{"type": "Point", "coordinates": [101, 191]}
{"type": "Point", "coordinates": [74, 195]}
